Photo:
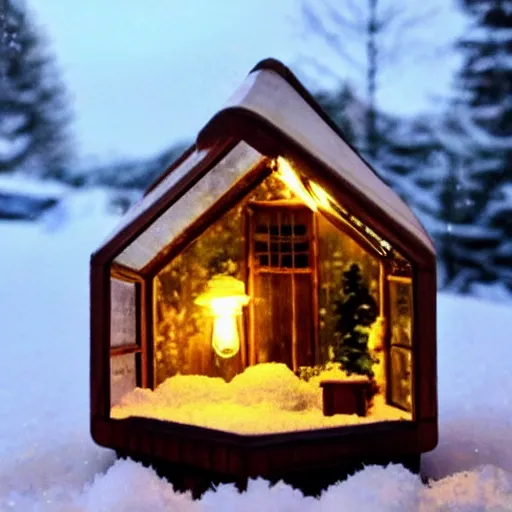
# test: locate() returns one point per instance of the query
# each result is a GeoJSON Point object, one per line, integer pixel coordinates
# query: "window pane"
{"type": "Point", "coordinates": [167, 183]}
{"type": "Point", "coordinates": [289, 237]}
{"type": "Point", "coordinates": [286, 260]}
{"type": "Point", "coordinates": [123, 376]}
{"type": "Point", "coordinates": [184, 212]}
{"type": "Point", "coordinates": [401, 312]}
{"type": "Point", "coordinates": [123, 316]}
{"type": "Point", "coordinates": [401, 383]}
{"type": "Point", "coordinates": [301, 261]}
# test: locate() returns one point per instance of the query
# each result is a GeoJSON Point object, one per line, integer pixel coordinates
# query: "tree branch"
{"type": "Point", "coordinates": [334, 40]}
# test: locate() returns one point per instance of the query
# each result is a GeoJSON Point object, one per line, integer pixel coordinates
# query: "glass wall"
{"type": "Point", "coordinates": [337, 252]}
{"type": "Point", "coordinates": [124, 339]}
{"type": "Point", "coordinates": [182, 328]}
{"type": "Point", "coordinates": [272, 299]}
{"type": "Point", "coordinates": [401, 321]}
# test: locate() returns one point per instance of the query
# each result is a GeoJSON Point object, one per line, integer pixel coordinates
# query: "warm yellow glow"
{"type": "Point", "coordinates": [225, 336]}
{"type": "Point", "coordinates": [385, 245]}
{"type": "Point", "coordinates": [290, 178]}
{"type": "Point", "coordinates": [225, 298]}
{"type": "Point", "coordinates": [284, 403]}
{"type": "Point", "coordinates": [316, 198]}
{"type": "Point", "coordinates": [322, 197]}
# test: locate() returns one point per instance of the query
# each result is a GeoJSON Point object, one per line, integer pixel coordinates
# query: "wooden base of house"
{"type": "Point", "coordinates": [309, 482]}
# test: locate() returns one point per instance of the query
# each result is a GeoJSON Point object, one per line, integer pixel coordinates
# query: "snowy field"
{"type": "Point", "coordinates": [49, 463]}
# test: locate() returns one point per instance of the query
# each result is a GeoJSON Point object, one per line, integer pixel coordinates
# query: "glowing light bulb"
{"type": "Point", "coordinates": [225, 336]}
{"type": "Point", "coordinates": [225, 298]}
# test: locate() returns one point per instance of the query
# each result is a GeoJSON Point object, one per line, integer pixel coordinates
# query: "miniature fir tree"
{"type": "Point", "coordinates": [356, 311]}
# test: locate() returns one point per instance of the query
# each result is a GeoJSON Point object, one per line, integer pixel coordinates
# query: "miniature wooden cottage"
{"type": "Point", "coordinates": [268, 308]}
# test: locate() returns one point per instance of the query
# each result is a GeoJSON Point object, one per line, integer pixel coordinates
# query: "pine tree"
{"type": "Point", "coordinates": [356, 311]}
{"type": "Point", "coordinates": [346, 110]}
{"type": "Point", "coordinates": [500, 211]}
{"type": "Point", "coordinates": [483, 236]}
{"type": "Point", "coordinates": [422, 160]}
{"type": "Point", "coordinates": [364, 35]}
{"type": "Point", "coordinates": [409, 161]}
{"type": "Point", "coordinates": [34, 120]}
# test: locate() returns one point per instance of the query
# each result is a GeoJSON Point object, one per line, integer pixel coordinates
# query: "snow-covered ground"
{"type": "Point", "coordinates": [49, 463]}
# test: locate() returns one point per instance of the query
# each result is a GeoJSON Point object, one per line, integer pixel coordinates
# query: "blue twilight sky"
{"type": "Point", "coordinates": [143, 75]}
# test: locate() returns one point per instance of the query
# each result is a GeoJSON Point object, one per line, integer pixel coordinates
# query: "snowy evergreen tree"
{"type": "Point", "coordinates": [33, 125]}
{"type": "Point", "coordinates": [409, 160]}
{"type": "Point", "coordinates": [483, 235]}
{"type": "Point", "coordinates": [371, 37]}
{"type": "Point", "coordinates": [348, 111]}
{"type": "Point", "coordinates": [422, 160]}
{"type": "Point", "coordinates": [356, 311]}
{"type": "Point", "coordinates": [500, 212]}
{"type": "Point", "coordinates": [464, 238]}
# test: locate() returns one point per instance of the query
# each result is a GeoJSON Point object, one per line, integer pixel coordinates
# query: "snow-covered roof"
{"type": "Point", "coordinates": [268, 94]}
{"type": "Point", "coordinates": [272, 95]}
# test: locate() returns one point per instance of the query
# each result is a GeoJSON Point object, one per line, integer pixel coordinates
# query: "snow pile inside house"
{"type": "Point", "coordinates": [265, 398]}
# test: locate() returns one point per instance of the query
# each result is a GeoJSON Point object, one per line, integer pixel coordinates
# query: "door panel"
{"type": "Point", "coordinates": [281, 284]}
{"type": "Point", "coordinates": [304, 318]}
{"type": "Point", "coordinates": [273, 313]}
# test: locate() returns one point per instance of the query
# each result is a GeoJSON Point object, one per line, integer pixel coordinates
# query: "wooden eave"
{"type": "Point", "coordinates": [285, 73]}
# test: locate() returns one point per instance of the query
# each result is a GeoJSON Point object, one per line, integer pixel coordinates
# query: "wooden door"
{"type": "Point", "coordinates": [281, 284]}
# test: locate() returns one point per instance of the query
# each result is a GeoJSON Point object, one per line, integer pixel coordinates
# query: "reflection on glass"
{"type": "Point", "coordinates": [122, 314]}
{"type": "Point", "coordinates": [123, 376]}
{"type": "Point", "coordinates": [401, 312]}
{"type": "Point", "coordinates": [401, 365]}
{"type": "Point", "coordinates": [400, 291]}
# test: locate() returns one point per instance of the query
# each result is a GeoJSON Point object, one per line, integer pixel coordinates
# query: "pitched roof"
{"type": "Point", "coordinates": [273, 95]}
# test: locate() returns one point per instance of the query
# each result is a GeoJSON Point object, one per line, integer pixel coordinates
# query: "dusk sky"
{"type": "Point", "coordinates": [144, 75]}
